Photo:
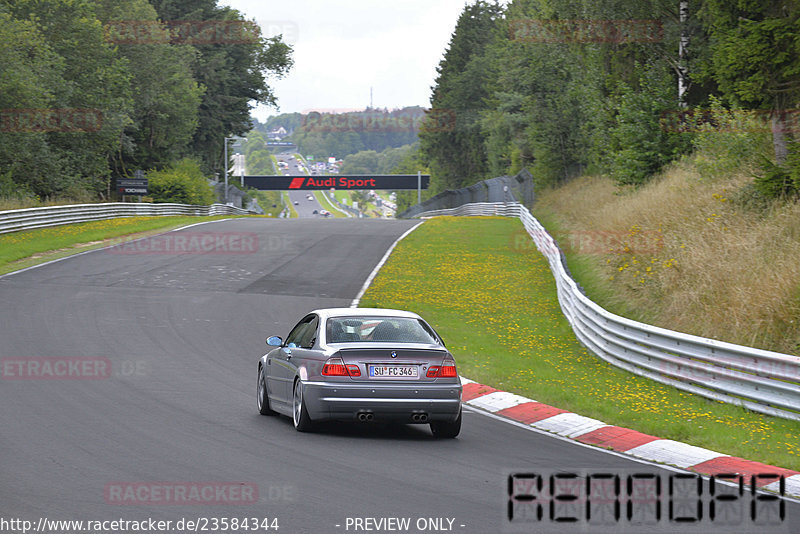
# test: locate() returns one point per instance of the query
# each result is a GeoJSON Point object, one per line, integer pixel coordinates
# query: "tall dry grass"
{"type": "Point", "coordinates": [12, 203]}
{"type": "Point", "coordinates": [681, 254]}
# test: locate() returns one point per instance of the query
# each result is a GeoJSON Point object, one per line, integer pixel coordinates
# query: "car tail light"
{"type": "Point", "coordinates": [336, 367]}
{"type": "Point", "coordinates": [446, 370]}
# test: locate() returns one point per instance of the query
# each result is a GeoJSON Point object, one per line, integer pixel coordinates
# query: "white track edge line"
{"type": "Point", "coordinates": [105, 248]}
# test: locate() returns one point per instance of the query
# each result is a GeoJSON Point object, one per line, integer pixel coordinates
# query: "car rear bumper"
{"type": "Point", "coordinates": [399, 402]}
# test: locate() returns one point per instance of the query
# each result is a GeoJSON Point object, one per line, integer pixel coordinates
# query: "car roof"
{"type": "Point", "coordinates": [325, 313]}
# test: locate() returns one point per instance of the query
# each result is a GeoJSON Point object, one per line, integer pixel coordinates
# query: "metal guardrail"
{"type": "Point", "coordinates": [519, 188]}
{"type": "Point", "coordinates": [760, 380]}
{"type": "Point", "coordinates": [30, 218]}
{"type": "Point", "coordinates": [348, 210]}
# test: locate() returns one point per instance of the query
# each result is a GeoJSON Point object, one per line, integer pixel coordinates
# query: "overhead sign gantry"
{"type": "Point", "coordinates": [389, 182]}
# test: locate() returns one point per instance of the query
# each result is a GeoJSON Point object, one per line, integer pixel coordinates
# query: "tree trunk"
{"type": "Point", "coordinates": [779, 141]}
{"type": "Point", "coordinates": [683, 46]}
{"type": "Point", "coordinates": [781, 129]}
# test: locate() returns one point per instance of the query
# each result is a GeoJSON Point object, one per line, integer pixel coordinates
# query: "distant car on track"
{"type": "Point", "coordinates": [361, 365]}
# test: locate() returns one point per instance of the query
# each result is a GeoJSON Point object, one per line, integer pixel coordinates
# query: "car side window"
{"type": "Point", "coordinates": [309, 334]}
{"type": "Point", "coordinates": [304, 333]}
{"type": "Point", "coordinates": [297, 332]}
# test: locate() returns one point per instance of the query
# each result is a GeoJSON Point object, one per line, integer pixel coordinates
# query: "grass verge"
{"type": "Point", "coordinates": [326, 204]}
{"type": "Point", "coordinates": [684, 252]}
{"type": "Point", "coordinates": [493, 299]}
{"type": "Point", "coordinates": [343, 196]}
{"type": "Point", "coordinates": [287, 201]}
{"type": "Point", "coordinates": [270, 201]}
{"type": "Point", "coordinates": [20, 250]}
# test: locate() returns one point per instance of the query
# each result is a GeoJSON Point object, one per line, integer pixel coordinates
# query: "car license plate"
{"type": "Point", "coordinates": [393, 371]}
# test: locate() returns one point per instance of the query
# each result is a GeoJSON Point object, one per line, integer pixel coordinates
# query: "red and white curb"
{"type": "Point", "coordinates": [623, 440]}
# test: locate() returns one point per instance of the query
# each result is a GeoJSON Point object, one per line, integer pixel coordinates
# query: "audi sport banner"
{"type": "Point", "coordinates": [351, 181]}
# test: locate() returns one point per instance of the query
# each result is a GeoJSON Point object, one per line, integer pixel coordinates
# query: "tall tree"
{"type": "Point", "coordinates": [165, 96]}
{"type": "Point", "coordinates": [29, 70]}
{"type": "Point", "coordinates": [451, 138]}
{"type": "Point", "coordinates": [91, 77]}
{"type": "Point", "coordinates": [755, 57]}
{"type": "Point", "coordinates": [233, 69]}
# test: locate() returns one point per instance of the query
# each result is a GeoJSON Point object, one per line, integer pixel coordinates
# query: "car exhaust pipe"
{"type": "Point", "coordinates": [419, 417]}
{"type": "Point", "coordinates": [368, 417]}
{"type": "Point", "coordinates": [365, 417]}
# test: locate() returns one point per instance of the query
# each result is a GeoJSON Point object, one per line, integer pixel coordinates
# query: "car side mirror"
{"type": "Point", "coordinates": [275, 341]}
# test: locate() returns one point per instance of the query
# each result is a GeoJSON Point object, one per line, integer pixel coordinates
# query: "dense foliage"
{"type": "Point", "coordinates": [340, 134]}
{"type": "Point", "coordinates": [91, 90]}
{"type": "Point", "coordinates": [562, 87]}
{"type": "Point", "coordinates": [373, 162]}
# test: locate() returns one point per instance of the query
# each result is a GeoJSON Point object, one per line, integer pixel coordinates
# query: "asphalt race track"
{"type": "Point", "coordinates": [182, 333]}
{"type": "Point", "coordinates": [304, 207]}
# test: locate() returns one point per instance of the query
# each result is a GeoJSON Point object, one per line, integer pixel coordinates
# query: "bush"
{"type": "Point", "coordinates": [780, 180]}
{"type": "Point", "coordinates": [182, 182]}
{"type": "Point", "coordinates": [774, 181]}
{"type": "Point", "coordinates": [728, 140]}
{"type": "Point", "coordinates": [12, 190]}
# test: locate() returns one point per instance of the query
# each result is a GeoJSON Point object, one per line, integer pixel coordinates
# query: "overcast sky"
{"type": "Point", "coordinates": [344, 47]}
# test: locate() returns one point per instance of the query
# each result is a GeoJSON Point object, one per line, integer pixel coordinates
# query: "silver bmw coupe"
{"type": "Point", "coordinates": [361, 365]}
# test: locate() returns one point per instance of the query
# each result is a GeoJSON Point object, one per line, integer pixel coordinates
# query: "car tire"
{"type": "Point", "coordinates": [300, 418]}
{"type": "Point", "coordinates": [446, 429]}
{"type": "Point", "coordinates": [261, 395]}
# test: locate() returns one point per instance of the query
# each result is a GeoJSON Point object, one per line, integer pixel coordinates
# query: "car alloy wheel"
{"type": "Point", "coordinates": [300, 418]}
{"type": "Point", "coordinates": [261, 395]}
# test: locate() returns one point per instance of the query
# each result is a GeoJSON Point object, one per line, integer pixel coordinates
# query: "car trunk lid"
{"type": "Point", "coordinates": [388, 364]}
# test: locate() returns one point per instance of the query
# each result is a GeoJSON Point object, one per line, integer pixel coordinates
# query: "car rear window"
{"type": "Point", "coordinates": [379, 329]}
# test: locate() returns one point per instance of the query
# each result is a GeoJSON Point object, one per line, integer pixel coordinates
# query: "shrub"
{"type": "Point", "coordinates": [729, 140]}
{"type": "Point", "coordinates": [11, 190]}
{"type": "Point", "coordinates": [780, 180]}
{"type": "Point", "coordinates": [181, 182]}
